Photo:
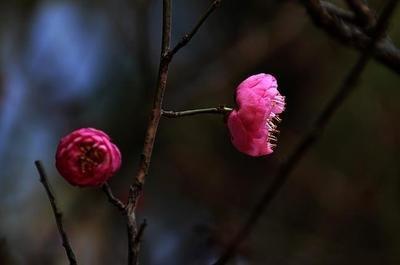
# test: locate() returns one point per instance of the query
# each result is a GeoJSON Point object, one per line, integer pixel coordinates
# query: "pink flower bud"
{"type": "Point", "coordinates": [87, 157]}
{"type": "Point", "coordinates": [252, 124]}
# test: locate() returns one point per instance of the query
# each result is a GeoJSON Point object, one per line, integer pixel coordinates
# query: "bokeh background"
{"type": "Point", "coordinates": [71, 64]}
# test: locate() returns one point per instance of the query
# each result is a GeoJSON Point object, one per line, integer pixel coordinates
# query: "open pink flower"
{"type": "Point", "coordinates": [252, 123]}
{"type": "Point", "coordinates": [87, 157]}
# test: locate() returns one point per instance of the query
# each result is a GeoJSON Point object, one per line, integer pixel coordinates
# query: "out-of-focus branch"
{"type": "Point", "coordinates": [330, 20]}
{"type": "Point", "coordinates": [364, 14]}
{"type": "Point", "coordinates": [347, 87]}
{"type": "Point", "coordinates": [339, 12]}
{"type": "Point", "coordinates": [57, 213]}
{"type": "Point", "coordinates": [177, 114]}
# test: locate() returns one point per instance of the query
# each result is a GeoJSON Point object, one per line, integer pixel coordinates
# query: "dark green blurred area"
{"type": "Point", "coordinates": [71, 64]}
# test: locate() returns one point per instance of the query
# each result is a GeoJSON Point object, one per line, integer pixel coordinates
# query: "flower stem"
{"type": "Point", "coordinates": [178, 114]}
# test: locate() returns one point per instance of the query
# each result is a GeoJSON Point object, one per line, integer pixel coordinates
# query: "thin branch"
{"type": "Point", "coordinates": [165, 59]}
{"type": "Point", "coordinates": [364, 14]}
{"type": "Point", "coordinates": [177, 114]}
{"type": "Point", "coordinates": [134, 237]}
{"type": "Point", "coordinates": [128, 211]}
{"type": "Point", "coordinates": [349, 34]}
{"type": "Point", "coordinates": [151, 132]}
{"type": "Point", "coordinates": [152, 126]}
{"type": "Point", "coordinates": [347, 87]}
{"type": "Point", "coordinates": [155, 113]}
{"type": "Point", "coordinates": [132, 230]}
{"type": "Point", "coordinates": [187, 37]}
{"type": "Point", "coordinates": [111, 198]}
{"type": "Point", "coordinates": [57, 213]}
{"type": "Point", "coordinates": [140, 232]}
{"type": "Point", "coordinates": [341, 13]}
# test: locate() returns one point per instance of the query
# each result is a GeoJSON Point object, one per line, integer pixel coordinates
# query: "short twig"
{"type": "Point", "coordinates": [347, 87]}
{"type": "Point", "coordinates": [187, 37]}
{"type": "Point", "coordinates": [111, 198]}
{"type": "Point", "coordinates": [177, 114]}
{"type": "Point", "coordinates": [364, 14]}
{"type": "Point", "coordinates": [57, 213]}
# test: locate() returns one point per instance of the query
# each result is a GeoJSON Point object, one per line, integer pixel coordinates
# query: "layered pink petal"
{"type": "Point", "coordinates": [251, 124]}
{"type": "Point", "coordinates": [87, 157]}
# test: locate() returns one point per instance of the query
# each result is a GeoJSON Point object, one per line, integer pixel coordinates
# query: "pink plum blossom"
{"type": "Point", "coordinates": [252, 124]}
{"type": "Point", "coordinates": [86, 157]}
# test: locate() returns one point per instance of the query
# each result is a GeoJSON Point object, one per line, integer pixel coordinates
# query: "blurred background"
{"type": "Point", "coordinates": [71, 64]}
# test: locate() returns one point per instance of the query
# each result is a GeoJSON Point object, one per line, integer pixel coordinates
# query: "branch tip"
{"type": "Point", "coordinates": [56, 211]}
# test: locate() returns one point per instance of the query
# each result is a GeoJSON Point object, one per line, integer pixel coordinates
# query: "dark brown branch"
{"type": "Point", "coordinates": [177, 114]}
{"type": "Point", "coordinates": [347, 87]}
{"type": "Point", "coordinates": [341, 13]}
{"type": "Point", "coordinates": [132, 230]}
{"type": "Point", "coordinates": [139, 235]}
{"type": "Point", "coordinates": [135, 236]}
{"type": "Point", "coordinates": [155, 113]}
{"type": "Point", "coordinates": [129, 212]}
{"type": "Point", "coordinates": [349, 34]}
{"type": "Point", "coordinates": [112, 199]}
{"type": "Point", "coordinates": [57, 213]}
{"type": "Point", "coordinates": [187, 37]}
{"type": "Point", "coordinates": [364, 14]}
{"type": "Point", "coordinates": [152, 126]}
{"type": "Point", "coordinates": [151, 132]}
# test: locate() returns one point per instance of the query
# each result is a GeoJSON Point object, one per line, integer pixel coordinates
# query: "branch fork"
{"type": "Point", "coordinates": [350, 27]}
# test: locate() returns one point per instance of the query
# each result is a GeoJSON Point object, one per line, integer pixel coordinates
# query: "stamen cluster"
{"type": "Point", "coordinates": [253, 123]}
